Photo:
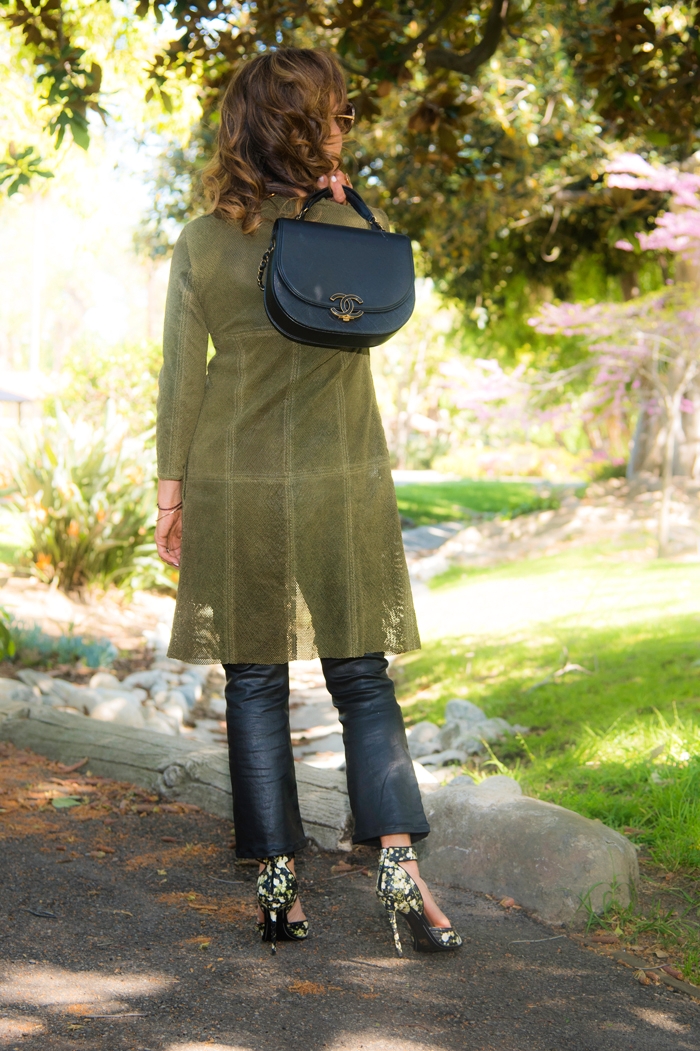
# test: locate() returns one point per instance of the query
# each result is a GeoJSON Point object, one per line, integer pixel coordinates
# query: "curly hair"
{"type": "Point", "coordinates": [275, 119]}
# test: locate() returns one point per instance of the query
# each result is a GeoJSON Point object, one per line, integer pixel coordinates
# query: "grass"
{"type": "Point", "coordinates": [453, 501]}
{"type": "Point", "coordinates": [622, 743]}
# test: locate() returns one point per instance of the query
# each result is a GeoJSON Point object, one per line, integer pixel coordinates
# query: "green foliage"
{"type": "Point", "coordinates": [33, 646]}
{"type": "Point", "coordinates": [452, 501]}
{"type": "Point", "coordinates": [72, 89]}
{"type": "Point", "coordinates": [20, 168]}
{"type": "Point", "coordinates": [87, 494]}
{"type": "Point", "coordinates": [8, 646]}
{"type": "Point", "coordinates": [125, 375]}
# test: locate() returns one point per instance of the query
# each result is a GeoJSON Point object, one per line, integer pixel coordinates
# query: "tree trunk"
{"type": "Point", "coordinates": [666, 484]}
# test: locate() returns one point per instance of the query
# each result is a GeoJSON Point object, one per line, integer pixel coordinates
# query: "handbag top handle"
{"type": "Point", "coordinates": [352, 197]}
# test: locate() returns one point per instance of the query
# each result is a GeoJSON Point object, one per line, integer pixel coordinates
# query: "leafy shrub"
{"type": "Point", "coordinates": [87, 493]}
{"type": "Point", "coordinates": [126, 375]}
{"type": "Point", "coordinates": [34, 646]}
{"type": "Point", "coordinates": [8, 645]}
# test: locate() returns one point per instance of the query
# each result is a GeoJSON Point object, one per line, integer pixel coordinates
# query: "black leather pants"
{"type": "Point", "coordinates": [384, 794]}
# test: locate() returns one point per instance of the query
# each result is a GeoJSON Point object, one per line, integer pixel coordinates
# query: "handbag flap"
{"type": "Point", "coordinates": [322, 262]}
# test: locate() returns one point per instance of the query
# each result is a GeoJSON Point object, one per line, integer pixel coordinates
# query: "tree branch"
{"type": "Point", "coordinates": [433, 26]}
{"type": "Point", "coordinates": [467, 65]}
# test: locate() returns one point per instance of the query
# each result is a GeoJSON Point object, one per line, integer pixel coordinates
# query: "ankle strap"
{"type": "Point", "coordinates": [276, 858]}
{"type": "Point", "coordinates": [397, 854]}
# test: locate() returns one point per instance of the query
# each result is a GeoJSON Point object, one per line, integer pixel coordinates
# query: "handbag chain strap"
{"type": "Point", "coordinates": [263, 263]}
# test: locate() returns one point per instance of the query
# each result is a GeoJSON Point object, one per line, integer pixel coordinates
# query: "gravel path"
{"type": "Point", "coordinates": [129, 928]}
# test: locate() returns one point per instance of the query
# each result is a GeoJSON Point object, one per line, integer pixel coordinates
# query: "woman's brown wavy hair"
{"type": "Point", "coordinates": [275, 119]}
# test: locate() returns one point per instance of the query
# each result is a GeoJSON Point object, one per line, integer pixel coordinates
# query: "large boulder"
{"type": "Point", "coordinates": [553, 862]}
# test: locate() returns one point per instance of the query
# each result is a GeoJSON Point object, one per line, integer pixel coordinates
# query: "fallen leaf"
{"type": "Point", "coordinates": [507, 903]}
{"type": "Point", "coordinates": [168, 839]}
{"type": "Point", "coordinates": [307, 988]}
{"type": "Point", "coordinates": [75, 766]}
{"type": "Point", "coordinates": [204, 945]}
{"type": "Point", "coordinates": [203, 908]}
{"type": "Point", "coordinates": [642, 978]}
{"type": "Point", "coordinates": [107, 850]}
{"type": "Point", "coordinates": [342, 866]}
{"type": "Point", "coordinates": [162, 872]}
{"type": "Point", "coordinates": [660, 954]}
{"type": "Point", "coordinates": [96, 854]}
{"type": "Point", "coordinates": [61, 802]}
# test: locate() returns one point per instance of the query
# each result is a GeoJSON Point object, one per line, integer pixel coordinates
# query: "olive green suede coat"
{"type": "Point", "coordinates": [291, 544]}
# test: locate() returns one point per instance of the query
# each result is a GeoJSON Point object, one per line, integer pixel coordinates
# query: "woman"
{"type": "Point", "coordinates": [276, 500]}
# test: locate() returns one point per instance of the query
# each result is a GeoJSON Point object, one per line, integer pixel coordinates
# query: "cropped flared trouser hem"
{"type": "Point", "coordinates": [382, 786]}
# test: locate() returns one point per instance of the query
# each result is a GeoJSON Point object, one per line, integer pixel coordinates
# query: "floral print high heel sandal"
{"type": "Point", "coordinates": [277, 891]}
{"type": "Point", "coordinates": [399, 892]}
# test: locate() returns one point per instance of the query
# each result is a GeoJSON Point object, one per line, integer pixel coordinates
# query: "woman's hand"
{"type": "Point", "coordinates": [169, 522]}
{"type": "Point", "coordinates": [336, 180]}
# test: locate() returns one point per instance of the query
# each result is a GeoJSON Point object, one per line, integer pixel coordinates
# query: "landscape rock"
{"type": "Point", "coordinates": [11, 690]}
{"type": "Point", "coordinates": [150, 679]}
{"type": "Point", "coordinates": [425, 779]}
{"type": "Point", "coordinates": [462, 779]}
{"type": "Point", "coordinates": [469, 735]}
{"type": "Point", "coordinates": [105, 680]}
{"type": "Point", "coordinates": [192, 692]}
{"type": "Point", "coordinates": [160, 721]}
{"type": "Point", "coordinates": [173, 712]}
{"type": "Point", "coordinates": [461, 711]}
{"type": "Point", "coordinates": [419, 749]}
{"type": "Point", "coordinates": [168, 664]}
{"type": "Point", "coordinates": [172, 698]}
{"type": "Point", "coordinates": [217, 707]}
{"type": "Point", "coordinates": [120, 710]}
{"type": "Point", "coordinates": [83, 698]}
{"type": "Point", "coordinates": [450, 755]}
{"type": "Point", "coordinates": [491, 838]}
{"type": "Point", "coordinates": [423, 732]}
{"type": "Point", "coordinates": [423, 739]}
{"type": "Point", "coordinates": [41, 680]}
{"type": "Point", "coordinates": [197, 674]}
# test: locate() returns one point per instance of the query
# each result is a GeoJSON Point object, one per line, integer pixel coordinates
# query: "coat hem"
{"type": "Point", "coordinates": [175, 653]}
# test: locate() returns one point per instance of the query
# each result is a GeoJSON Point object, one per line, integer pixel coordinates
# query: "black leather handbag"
{"type": "Point", "coordinates": [337, 286]}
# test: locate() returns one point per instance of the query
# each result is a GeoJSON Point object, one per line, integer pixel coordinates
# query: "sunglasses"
{"type": "Point", "coordinates": [346, 119]}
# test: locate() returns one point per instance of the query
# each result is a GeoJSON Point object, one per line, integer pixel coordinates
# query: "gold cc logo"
{"type": "Point", "coordinates": [347, 310]}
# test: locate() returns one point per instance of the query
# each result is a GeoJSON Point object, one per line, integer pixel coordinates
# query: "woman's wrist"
{"type": "Point", "coordinates": [169, 493]}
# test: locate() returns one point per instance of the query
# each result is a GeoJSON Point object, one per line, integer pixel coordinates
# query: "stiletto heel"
{"type": "Point", "coordinates": [395, 931]}
{"type": "Point", "coordinates": [399, 892]}
{"type": "Point", "coordinates": [277, 892]}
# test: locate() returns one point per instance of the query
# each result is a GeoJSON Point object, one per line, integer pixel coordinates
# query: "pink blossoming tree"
{"type": "Point", "coordinates": [649, 348]}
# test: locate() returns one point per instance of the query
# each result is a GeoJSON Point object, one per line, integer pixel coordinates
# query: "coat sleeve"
{"type": "Point", "coordinates": [184, 372]}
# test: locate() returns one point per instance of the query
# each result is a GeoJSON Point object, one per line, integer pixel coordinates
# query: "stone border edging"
{"type": "Point", "coordinates": [178, 769]}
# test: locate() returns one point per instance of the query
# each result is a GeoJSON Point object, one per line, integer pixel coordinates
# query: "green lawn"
{"type": "Point", "coordinates": [621, 744]}
{"type": "Point", "coordinates": [451, 501]}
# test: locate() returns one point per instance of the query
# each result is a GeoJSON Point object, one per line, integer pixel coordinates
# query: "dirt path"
{"type": "Point", "coordinates": [119, 931]}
